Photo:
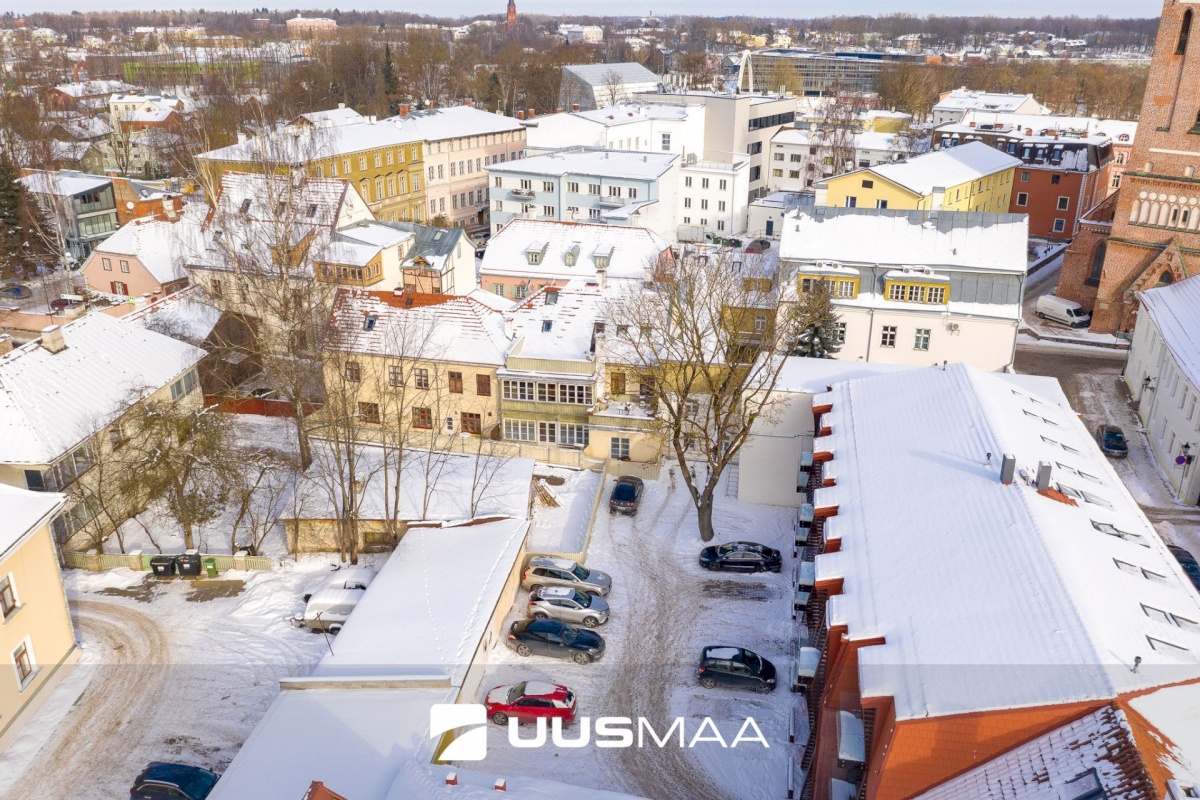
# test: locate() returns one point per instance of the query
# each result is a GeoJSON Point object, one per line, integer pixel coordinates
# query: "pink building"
{"type": "Point", "coordinates": [143, 258]}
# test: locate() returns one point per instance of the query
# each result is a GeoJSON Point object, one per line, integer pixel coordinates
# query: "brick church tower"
{"type": "Point", "coordinates": [1148, 234]}
{"type": "Point", "coordinates": [511, 18]}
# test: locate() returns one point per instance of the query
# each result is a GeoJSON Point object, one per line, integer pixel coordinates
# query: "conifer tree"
{"type": "Point", "coordinates": [818, 323]}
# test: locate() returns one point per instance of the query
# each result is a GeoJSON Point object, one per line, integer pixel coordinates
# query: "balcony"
{"type": "Point", "coordinates": [521, 194]}
{"type": "Point", "coordinates": [611, 202]}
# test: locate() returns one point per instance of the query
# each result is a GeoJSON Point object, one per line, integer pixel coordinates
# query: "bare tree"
{"type": "Point", "coordinates": [487, 466]}
{"type": "Point", "coordinates": [710, 337]}
{"type": "Point", "coordinates": [613, 89]}
{"type": "Point", "coordinates": [260, 486]}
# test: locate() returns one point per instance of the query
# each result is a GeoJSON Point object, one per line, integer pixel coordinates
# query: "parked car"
{"type": "Point", "coordinates": [735, 666]}
{"type": "Point", "coordinates": [741, 557]}
{"type": "Point", "coordinates": [759, 246]}
{"type": "Point", "coordinates": [1191, 566]}
{"type": "Point", "coordinates": [1112, 441]}
{"type": "Point", "coordinates": [530, 700]}
{"type": "Point", "coordinates": [347, 578]}
{"type": "Point", "coordinates": [62, 303]}
{"type": "Point", "coordinates": [626, 495]}
{"type": "Point", "coordinates": [160, 781]}
{"type": "Point", "coordinates": [328, 609]}
{"type": "Point", "coordinates": [551, 637]}
{"type": "Point", "coordinates": [569, 605]}
{"type": "Point", "coordinates": [550, 571]}
{"type": "Point", "coordinates": [1059, 309]}
{"type": "Point", "coordinates": [15, 291]}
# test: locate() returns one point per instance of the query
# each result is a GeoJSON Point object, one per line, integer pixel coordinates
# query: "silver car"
{"type": "Point", "coordinates": [569, 605]}
{"type": "Point", "coordinates": [550, 571]}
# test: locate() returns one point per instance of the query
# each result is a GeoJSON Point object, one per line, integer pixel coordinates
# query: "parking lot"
{"type": "Point", "coordinates": [665, 609]}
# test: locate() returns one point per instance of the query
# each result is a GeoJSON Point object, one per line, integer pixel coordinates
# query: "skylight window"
{"type": "Point", "coordinates": [1158, 615]}
{"type": "Point", "coordinates": [1080, 473]}
{"type": "Point", "coordinates": [1134, 569]}
{"type": "Point", "coordinates": [1112, 530]}
{"type": "Point", "coordinates": [1172, 650]}
{"type": "Point", "coordinates": [1087, 497]}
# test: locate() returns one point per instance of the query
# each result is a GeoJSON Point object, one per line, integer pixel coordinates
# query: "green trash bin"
{"type": "Point", "coordinates": [210, 567]}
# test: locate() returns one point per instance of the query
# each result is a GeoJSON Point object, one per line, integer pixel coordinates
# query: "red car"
{"type": "Point", "coordinates": [530, 700]}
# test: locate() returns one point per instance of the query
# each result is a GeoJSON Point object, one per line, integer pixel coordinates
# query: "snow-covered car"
{"type": "Point", "coordinates": [530, 700]}
{"type": "Point", "coordinates": [348, 578]}
{"type": "Point", "coordinates": [328, 609]}
{"type": "Point", "coordinates": [569, 605]}
{"type": "Point", "coordinates": [551, 571]}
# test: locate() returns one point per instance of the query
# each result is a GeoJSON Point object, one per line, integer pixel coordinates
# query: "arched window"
{"type": "Point", "coordinates": [1185, 28]}
{"type": "Point", "coordinates": [1166, 279]}
{"type": "Point", "coordinates": [1093, 278]}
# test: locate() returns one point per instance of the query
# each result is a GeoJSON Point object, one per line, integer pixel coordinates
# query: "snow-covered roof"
{"type": "Point", "coordinates": [628, 164]}
{"type": "Point", "coordinates": [600, 75]}
{"type": "Point", "coordinates": [93, 88]}
{"type": "Point", "coordinates": [64, 183]}
{"type": "Point", "coordinates": [50, 402]}
{"type": "Point", "coordinates": [23, 511]}
{"type": "Point", "coordinates": [885, 236]}
{"type": "Point", "coordinates": [365, 744]}
{"type": "Point", "coordinates": [458, 330]}
{"type": "Point", "coordinates": [945, 168]}
{"type": "Point", "coordinates": [1173, 712]}
{"type": "Point", "coordinates": [85, 128]}
{"type": "Point", "coordinates": [1044, 768]}
{"type": "Point", "coordinates": [625, 113]}
{"type": "Point", "coordinates": [453, 122]}
{"type": "Point", "coordinates": [631, 250]}
{"type": "Point", "coordinates": [408, 625]}
{"type": "Point", "coordinates": [1174, 310]}
{"type": "Point", "coordinates": [560, 330]}
{"type": "Point", "coordinates": [990, 596]}
{"type": "Point", "coordinates": [161, 245]}
{"type": "Point", "coordinates": [183, 315]}
{"type": "Point", "coordinates": [334, 116]}
{"type": "Point", "coordinates": [493, 301]}
{"type": "Point", "coordinates": [987, 101]}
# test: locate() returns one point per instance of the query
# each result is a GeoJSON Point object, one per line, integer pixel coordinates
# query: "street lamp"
{"type": "Point", "coordinates": [1146, 384]}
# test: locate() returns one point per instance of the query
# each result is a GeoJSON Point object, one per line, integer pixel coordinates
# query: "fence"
{"type": "Point", "coordinates": [256, 406]}
{"type": "Point", "coordinates": [140, 562]}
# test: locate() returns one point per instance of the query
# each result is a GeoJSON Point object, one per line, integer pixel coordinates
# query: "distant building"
{"type": "Point", "coordinates": [592, 86]}
{"type": "Point", "coordinates": [510, 16]}
{"type": "Point", "coordinates": [953, 105]}
{"type": "Point", "coordinates": [301, 27]}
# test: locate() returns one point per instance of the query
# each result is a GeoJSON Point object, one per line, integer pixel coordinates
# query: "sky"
{"type": "Point", "coordinates": [802, 9]}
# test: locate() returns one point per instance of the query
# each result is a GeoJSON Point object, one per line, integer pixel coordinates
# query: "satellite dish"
{"type": "Point", "coordinates": [129, 205]}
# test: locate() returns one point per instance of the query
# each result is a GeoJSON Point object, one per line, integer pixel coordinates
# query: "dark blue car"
{"type": "Point", "coordinates": [1112, 441]}
{"type": "Point", "coordinates": [176, 781]}
{"type": "Point", "coordinates": [1188, 561]}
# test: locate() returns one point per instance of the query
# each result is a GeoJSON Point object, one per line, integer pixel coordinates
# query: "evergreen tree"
{"type": "Point", "coordinates": [391, 83]}
{"type": "Point", "coordinates": [818, 323]}
{"type": "Point", "coordinates": [13, 211]}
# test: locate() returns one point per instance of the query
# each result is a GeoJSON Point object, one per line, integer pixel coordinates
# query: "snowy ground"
{"type": "Point", "coordinates": [1045, 281]}
{"type": "Point", "coordinates": [664, 610]}
{"type": "Point", "coordinates": [165, 676]}
{"type": "Point", "coordinates": [562, 529]}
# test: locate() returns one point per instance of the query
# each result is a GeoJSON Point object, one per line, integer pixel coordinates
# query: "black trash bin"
{"type": "Point", "coordinates": [189, 564]}
{"type": "Point", "coordinates": [163, 566]}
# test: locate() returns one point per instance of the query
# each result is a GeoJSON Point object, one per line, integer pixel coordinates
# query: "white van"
{"type": "Point", "coordinates": [1058, 309]}
{"type": "Point", "coordinates": [328, 609]}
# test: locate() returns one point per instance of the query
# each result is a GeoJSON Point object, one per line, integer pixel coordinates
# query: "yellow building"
{"type": "Point", "coordinates": [383, 162]}
{"type": "Point", "coordinates": [970, 177]}
{"type": "Point", "coordinates": [36, 637]}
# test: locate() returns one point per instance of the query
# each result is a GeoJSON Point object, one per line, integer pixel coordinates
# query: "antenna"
{"type": "Point", "coordinates": [1137, 662]}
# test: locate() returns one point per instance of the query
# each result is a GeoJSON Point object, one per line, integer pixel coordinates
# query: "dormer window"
{"type": "Point", "coordinates": [551, 297]}
{"type": "Point", "coordinates": [245, 206]}
{"type": "Point", "coordinates": [312, 210]}
{"type": "Point", "coordinates": [369, 322]}
{"type": "Point", "coordinates": [534, 257]}
{"type": "Point", "coordinates": [571, 257]}
{"type": "Point", "coordinates": [601, 262]}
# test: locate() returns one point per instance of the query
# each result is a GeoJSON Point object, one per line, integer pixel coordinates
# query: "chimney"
{"type": "Point", "coordinates": [520, 115]}
{"type": "Point", "coordinates": [972, 123]}
{"type": "Point", "coordinates": [1029, 131]}
{"type": "Point", "coordinates": [341, 105]}
{"type": "Point", "coordinates": [1007, 467]}
{"type": "Point", "coordinates": [404, 110]}
{"type": "Point", "coordinates": [602, 277]}
{"type": "Point", "coordinates": [574, 106]}
{"type": "Point", "coordinates": [508, 328]}
{"type": "Point", "coordinates": [52, 339]}
{"type": "Point", "coordinates": [529, 113]}
{"type": "Point", "coordinates": [1043, 476]}
{"type": "Point", "coordinates": [6, 343]}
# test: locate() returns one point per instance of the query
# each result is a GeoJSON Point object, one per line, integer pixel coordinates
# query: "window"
{"type": "Point", "coordinates": [124, 265]}
{"type": "Point", "coordinates": [23, 659]}
{"type": "Point", "coordinates": [776, 173]}
{"type": "Point", "coordinates": [614, 191]}
{"type": "Point", "coordinates": [107, 262]}
{"type": "Point", "coordinates": [1059, 225]}
{"type": "Point", "coordinates": [421, 378]}
{"type": "Point", "coordinates": [1025, 176]}
{"type": "Point", "coordinates": [616, 383]}
{"type": "Point", "coordinates": [547, 186]}
{"type": "Point", "coordinates": [573, 435]}
{"type": "Point", "coordinates": [520, 430]}
{"type": "Point", "coordinates": [687, 182]}
{"type": "Point", "coordinates": [1055, 179]}
{"type": "Point", "coordinates": [881, 203]}
{"type": "Point", "coordinates": [760, 323]}
{"type": "Point", "coordinates": [1172, 650]}
{"type": "Point", "coordinates": [456, 385]}
{"type": "Point", "coordinates": [517, 390]}
{"type": "Point", "coordinates": [8, 597]}
{"type": "Point", "coordinates": [594, 188]}
{"type": "Point", "coordinates": [498, 182]}
{"type": "Point", "coordinates": [839, 333]}
{"type": "Point", "coordinates": [369, 412]}
{"type": "Point", "coordinates": [618, 448]}
{"type": "Point", "coordinates": [1022, 199]}
{"type": "Point", "coordinates": [687, 202]}
{"type": "Point", "coordinates": [471, 423]}
{"type": "Point", "coordinates": [547, 432]}
{"type": "Point", "coordinates": [704, 183]}
{"type": "Point", "coordinates": [395, 375]}
{"type": "Point", "coordinates": [1063, 203]}
{"type": "Point", "coordinates": [548, 211]}
{"type": "Point", "coordinates": [353, 371]}
{"type": "Point", "coordinates": [1185, 28]}
{"type": "Point", "coordinates": [868, 184]}
{"type": "Point", "coordinates": [888, 336]}
{"type": "Point", "coordinates": [572, 186]}
{"type": "Point", "coordinates": [851, 202]}
{"type": "Point", "coordinates": [422, 418]}
{"type": "Point", "coordinates": [921, 342]}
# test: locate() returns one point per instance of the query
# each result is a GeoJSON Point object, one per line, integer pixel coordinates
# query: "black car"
{"type": "Point", "coordinates": [1112, 441]}
{"type": "Point", "coordinates": [626, 495]}
{"type": "Point", "coordinates": [550, 637]}
{"type": "Point", "coordinates": [163, 781]}
{"type": "Point", "coordinates": [735, 666]}
{"type": "Point", "coordinates": [741, 557]}
{"type": "Point", "coordinates": [1188, 561]}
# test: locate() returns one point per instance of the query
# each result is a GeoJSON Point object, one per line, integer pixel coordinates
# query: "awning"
{"type": "Point", "coordinates": [808, 574]}
{"type": "Point", "coordinates": [852, 740]}
{"type": "Point", "coordinates": [810, 657]}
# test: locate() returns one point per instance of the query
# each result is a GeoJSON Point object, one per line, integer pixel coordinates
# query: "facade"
{"type": "Point", "coordinates": [812, 74]}
{"type": "Point", "coordinates": [37, 641]}
{"type": "Point", "coordinates": [973, 177]}
{"type": "Point", "coordinates": [1154, 230]}
{"type": "Point", "coordinates": [591, 86]}
{"type": "Point", "coordinates": [1064, 170]}
{"type": "Point", "coordinates": [63, 398]}
{"type": "Point", "coordinates": [143, 258]}
{"type": "Point", "coordinates": [888, 720]}
{"type": "Point", "coordinates": [301, 27]}
{"type": "Point", "coordinates": [736, 125]}
{"type": "Point", "coordinates": [800, 157]}
{"type": "Point", "coordinates": [82, 208]}
{"type": "Point", "coordinates": [1163, 378]}
{"type": "Point", "coordinates": [460, 144]}
{"type": "Point", "coordinates": [528, 255]}
{"type": "Point", "coordinates": [913, 287]}
{"type": "Point", "coordinates": [955, 104]}
{"type": "Point", "coordinates": [438, 261]}
{"type": "Point", "coordinates": [766, 215]}
{"type": "Point", "coordinates": [611, 187]}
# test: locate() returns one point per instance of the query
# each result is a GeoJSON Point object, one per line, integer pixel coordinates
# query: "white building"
{"type": "Point", "coordinates": [913, 287]}
{"type": "Point", "coordinates": [800, 157]}
{"type": "Point", "coordinates": [597, 85]}
{"type": "Point", "coordinates": [954, 104]}
{"type": "Point", "coordinates": [1163, 374]}
{"type": "Point", "coordinates": [764, 217]}
{"type": "Point", "coordinates": [582, 34]}
{"type": "Point", "coordinates": [611, 187]}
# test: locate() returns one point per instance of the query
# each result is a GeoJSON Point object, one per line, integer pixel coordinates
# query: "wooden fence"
{"type": "Point", "coordinates": [138, 561]}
